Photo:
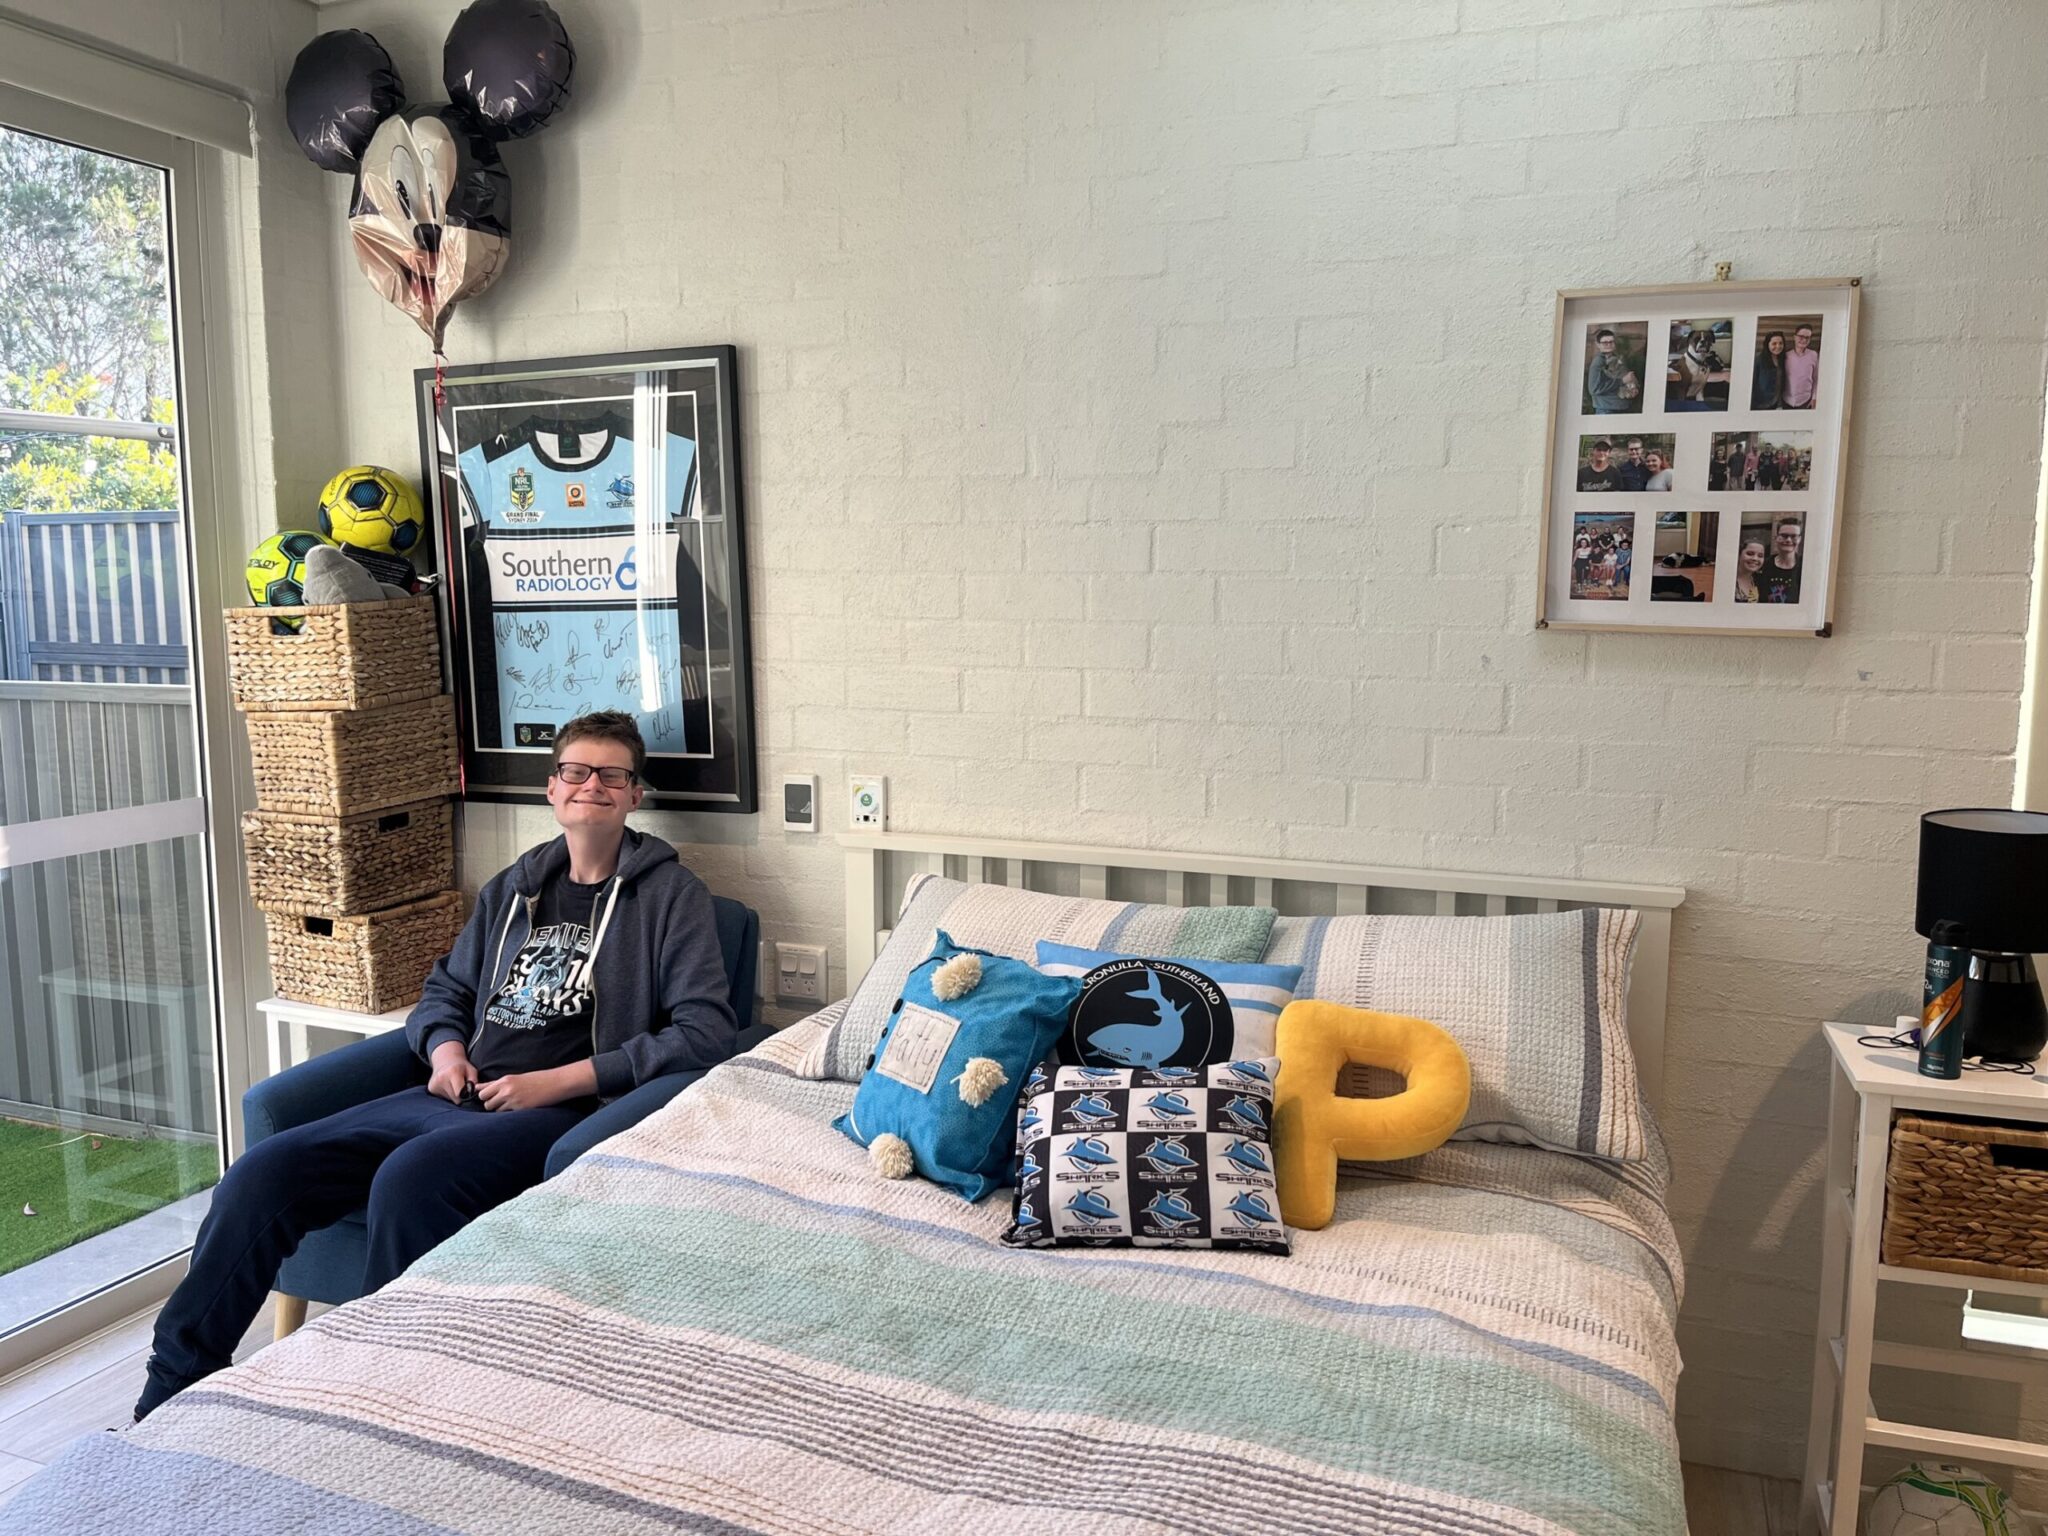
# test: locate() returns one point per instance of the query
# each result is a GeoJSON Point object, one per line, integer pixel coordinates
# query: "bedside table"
{"type": "Point", "coordinates": [1866, 1085]}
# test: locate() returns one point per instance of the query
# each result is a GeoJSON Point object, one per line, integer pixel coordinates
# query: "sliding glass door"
{"type": "Point", "coordinates": [109, 1096]}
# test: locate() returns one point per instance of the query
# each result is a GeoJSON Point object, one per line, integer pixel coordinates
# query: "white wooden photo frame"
{"type": "Point", "coordinates": [1694, 479]}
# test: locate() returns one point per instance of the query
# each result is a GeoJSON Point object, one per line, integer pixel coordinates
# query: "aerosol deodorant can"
{"type": "Point", "coordinates": [1941, 1002]}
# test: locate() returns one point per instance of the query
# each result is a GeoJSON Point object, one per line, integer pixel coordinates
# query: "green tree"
{"type": "Point", "coordinates": [84, 325]}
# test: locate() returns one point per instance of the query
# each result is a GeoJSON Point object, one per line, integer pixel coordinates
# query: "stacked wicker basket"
{"type": "Point", "coordinates": [351, 851]}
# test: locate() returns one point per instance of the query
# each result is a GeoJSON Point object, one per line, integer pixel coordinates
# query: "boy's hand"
{"type": "Point", "coordinates": [522, 1090]}
{"type": "Point", "coordinates": [536, 1090]}
{"type": "Point", "coordinates": [452, 1070]}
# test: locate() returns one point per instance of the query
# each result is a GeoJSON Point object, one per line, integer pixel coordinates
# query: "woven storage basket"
{"type": "Point", "coordinates": [343, 865]}
{"type": "Point", "coordinates": [355, 760]}
{"type": "Point", "coordinates": [342, 656]}
{"type": "Point", "coordinates": [1968, 1197]}
{"type": "Point", "coordinates": [367, 964]}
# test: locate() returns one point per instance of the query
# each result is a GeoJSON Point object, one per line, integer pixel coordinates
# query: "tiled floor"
{"type": "Point", "coordinates": [81, 1392]}
{"type": "Point", "coordinates": [93, 1388]}
{"type": "Point", "coordinates": [1719, 1503]}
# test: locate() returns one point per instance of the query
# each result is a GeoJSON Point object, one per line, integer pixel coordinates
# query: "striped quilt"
{"type": "Point", "coordinates": [721, 1321]}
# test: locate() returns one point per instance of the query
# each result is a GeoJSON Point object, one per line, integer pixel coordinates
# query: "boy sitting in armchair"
{"type": "Point", "coordinates": [589, 967]}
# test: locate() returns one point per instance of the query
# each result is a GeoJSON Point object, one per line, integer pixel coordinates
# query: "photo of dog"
{"type": "Point", "coordinates": [1696, 373]}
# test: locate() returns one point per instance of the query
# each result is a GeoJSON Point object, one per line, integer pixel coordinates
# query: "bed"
{"type": "Point", "coordinates": [721, 1321]}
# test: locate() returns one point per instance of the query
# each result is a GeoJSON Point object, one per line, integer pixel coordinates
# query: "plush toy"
{"type": "Point", "coordinates": [331, 577]}
{"type": "Point", "coordinates": [1313, 1127]}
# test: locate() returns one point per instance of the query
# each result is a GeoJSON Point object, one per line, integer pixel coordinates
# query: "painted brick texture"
{"type": "Point", "coordinates": [1143, 411]}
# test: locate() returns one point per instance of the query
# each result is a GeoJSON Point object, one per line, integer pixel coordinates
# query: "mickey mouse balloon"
{"type": "Point", "coordinates": [510, 61]}
{"type": "Point", "coordinates": [430, 217]}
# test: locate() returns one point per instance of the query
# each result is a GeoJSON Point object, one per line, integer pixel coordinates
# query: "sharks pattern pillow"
{"type": "Point", "coordinates": [1173, 1157]}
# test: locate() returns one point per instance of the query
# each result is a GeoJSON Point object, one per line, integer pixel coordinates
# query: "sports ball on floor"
{"type": "Point", "coordinates": [1939, 1499]}
{"type": "Point", "coordinates": [372, 509]}
{"type": "Point", "coordinates": [277, 568]}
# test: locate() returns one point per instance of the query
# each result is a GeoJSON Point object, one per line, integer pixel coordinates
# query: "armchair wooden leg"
{"type": "Point", "coordinates": [289, 1314]}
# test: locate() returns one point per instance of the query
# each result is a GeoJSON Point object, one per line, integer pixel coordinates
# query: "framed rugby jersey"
{"type": "Point", "coordinates": [587, 516]}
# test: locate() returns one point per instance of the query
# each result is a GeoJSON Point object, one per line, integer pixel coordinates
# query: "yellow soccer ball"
{"type": "Point", "coordinates": [276, 571]}
{"type": "Point", "coordinates": [372, 509]}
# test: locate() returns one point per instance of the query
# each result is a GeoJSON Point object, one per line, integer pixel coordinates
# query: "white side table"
{"type": "Point", "coordinates": [1867, 1084]}
{"type": "Point", "coordinates": [281, 1016]}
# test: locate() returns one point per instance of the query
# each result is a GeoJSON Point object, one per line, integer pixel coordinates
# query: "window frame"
{"type": "Point", "coordinates": [195, 201]}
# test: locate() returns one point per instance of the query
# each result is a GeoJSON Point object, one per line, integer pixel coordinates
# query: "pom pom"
{"type": "Point", "coordinates": [956, 978]}
{"type": "Point", "coordinates": [891, 1156]}
{"type": "Point", "coordinates": [981, 1079]}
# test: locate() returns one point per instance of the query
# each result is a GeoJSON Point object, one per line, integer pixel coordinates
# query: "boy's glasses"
{"type": "Point", "coordinates": [579, 773]}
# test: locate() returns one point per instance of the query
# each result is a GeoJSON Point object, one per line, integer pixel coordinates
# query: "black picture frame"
{"type": "Point", "coordinates": [542, 620]}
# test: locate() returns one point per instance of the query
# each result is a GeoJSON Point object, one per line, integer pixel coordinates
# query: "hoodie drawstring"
{"type": "Point", "coordinates": [490, 976]}
{"type": "Point", "coordinates": [597, 940]}
{"type": "Point", "coordinates": [590, 961]}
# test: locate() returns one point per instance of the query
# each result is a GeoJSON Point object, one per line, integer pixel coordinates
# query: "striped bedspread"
{"type": "Point", "coordinates": [721, 1321]}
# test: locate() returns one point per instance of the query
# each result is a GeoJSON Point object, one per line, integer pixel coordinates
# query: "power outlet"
{"type": "Point", "coordinates": [869, 804]}
{"type": "Point", "coordinates": [800, 971]}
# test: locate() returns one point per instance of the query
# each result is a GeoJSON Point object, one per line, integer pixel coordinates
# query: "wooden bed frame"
{"type": "Point", "coordinates": [878, 864]}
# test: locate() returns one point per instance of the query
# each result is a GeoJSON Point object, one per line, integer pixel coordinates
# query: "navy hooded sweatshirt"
{"type": "Point", "coordinates": [659, 1002]}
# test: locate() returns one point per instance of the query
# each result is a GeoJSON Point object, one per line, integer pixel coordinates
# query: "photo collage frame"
{"type": "Point", "coordinates": [1697, 438]}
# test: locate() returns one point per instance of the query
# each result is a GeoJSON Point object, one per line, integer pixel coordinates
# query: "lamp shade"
{"type": "Point", "coordinates": [1988, 870]}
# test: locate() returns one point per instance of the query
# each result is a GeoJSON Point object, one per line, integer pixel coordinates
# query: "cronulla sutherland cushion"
{"type": "Point", "coordinates": [1010, 922]}
{"type": "Point", "coordinates": [1171, 1158]}
{"type": "Point", "coordinates": [1538, 1002]}
{"type": "Point", "coordinates": [1136, 1011]}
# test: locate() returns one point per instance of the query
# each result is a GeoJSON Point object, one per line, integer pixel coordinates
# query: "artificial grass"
{"type": "Point", "coordinates": [80, 1183]}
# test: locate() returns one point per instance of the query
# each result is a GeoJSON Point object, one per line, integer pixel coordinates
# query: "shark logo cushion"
{"type": "Point", "coordinates": [1136, 1012]}
{"type": "Point", "coordinates": [1008, 921]}
{"type": "Point", "coordinates": [1167, 1157]}
{"type": "Point", "coordinates": [952, 1060]}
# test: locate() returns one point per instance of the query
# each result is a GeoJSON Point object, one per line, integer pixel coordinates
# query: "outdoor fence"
{"type": "Point", "coordinates": [93, 597]}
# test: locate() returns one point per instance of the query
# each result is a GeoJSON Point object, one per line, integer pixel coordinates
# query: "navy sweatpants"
{"type": "Point", "coordinates": [426, 1168]}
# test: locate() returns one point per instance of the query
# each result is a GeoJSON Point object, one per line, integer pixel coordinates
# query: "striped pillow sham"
{"type": "Point", "coordinates": [1538, 1001]}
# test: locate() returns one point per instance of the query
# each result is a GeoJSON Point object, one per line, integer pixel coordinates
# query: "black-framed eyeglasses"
{"type": "Point", "coordinates": [579, 773]}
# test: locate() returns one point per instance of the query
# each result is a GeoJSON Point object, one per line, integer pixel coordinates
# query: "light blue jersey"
{"type": "Point", "coordinates": [587, 553]}
{"type": "Point", "coordinates": [526, 488]}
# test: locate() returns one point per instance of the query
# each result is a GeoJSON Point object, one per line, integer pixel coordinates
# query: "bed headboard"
{"type": "Point", "coordinates": [878, 864]}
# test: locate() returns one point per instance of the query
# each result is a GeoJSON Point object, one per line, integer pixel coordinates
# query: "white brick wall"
{"type": "Point", "coordinates": [1144, 416]}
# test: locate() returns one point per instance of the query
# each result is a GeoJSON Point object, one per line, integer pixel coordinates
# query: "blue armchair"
{"type": "Point", "coordinates": [328, 1266]}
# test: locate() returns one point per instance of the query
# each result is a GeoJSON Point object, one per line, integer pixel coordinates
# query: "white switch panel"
{"type": "Point", "coordinates": [800, 971]}
{"type": "Point", "coordinates": [869, 804]}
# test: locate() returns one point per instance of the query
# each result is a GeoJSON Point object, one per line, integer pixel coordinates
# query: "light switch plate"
{"type": "Point", "coordinates": [800, 803]}
{"type": "Point", "coordinates": [800, 972]}
{"type": "Point", "coordinates": [869, 804]}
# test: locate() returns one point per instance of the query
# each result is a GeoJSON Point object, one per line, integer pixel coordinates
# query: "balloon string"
{"type": "Point", "coordinates": [440, 413]}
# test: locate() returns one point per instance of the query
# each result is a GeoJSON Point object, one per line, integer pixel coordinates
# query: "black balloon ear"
{"type": "Point", "coordinates": [508, 63]}
{"type": "Point", "coordinates": [342, 86]}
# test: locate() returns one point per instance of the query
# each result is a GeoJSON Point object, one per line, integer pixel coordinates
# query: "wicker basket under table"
{"type": "Point", "coordinates": [1967, 1197]}
{"type": "Point", "coordinates": [341, 655]}
{"type": "Point", "coordinates": [355, 760]}
{"type": "Point", "coordinates": [367, 964]}
{"type": "Point", "coordinates": [346, 865]}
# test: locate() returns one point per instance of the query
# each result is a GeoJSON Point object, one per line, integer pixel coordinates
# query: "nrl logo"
{"type": "Point", "coordinates": [522, 488]}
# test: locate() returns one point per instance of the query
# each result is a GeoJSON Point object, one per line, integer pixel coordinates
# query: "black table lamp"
{"type": "Point", "coordinates": [1988, 870]}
